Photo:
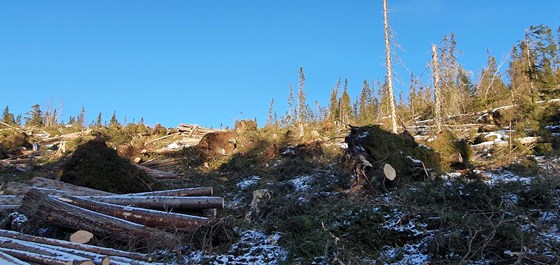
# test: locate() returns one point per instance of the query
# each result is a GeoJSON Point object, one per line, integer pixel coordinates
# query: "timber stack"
{"type": "Point", "coordinates": [147, 218]}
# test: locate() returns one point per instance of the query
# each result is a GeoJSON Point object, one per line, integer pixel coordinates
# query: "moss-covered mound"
{"type": "Point", "coordinates": [97, 166]}
{"type": "Point", "coordinates": [452, 153]}
{"type": "Point", "coordinates": [382, 147]}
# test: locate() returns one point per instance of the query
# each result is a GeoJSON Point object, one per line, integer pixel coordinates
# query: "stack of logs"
{"type": "Point", "coordinates": [148, 218]}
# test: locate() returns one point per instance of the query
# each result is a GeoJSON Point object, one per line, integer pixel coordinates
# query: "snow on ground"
{"type": "Point", "coordinates": [302, 183]}
{"type": "Point", "coordinates": [504, 176]}
{"type": "Point", "coordinates": [254, 247]}
{"type": "Point", "coordinates": [250, 181]}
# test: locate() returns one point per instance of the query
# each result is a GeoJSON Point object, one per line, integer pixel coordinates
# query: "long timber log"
{"type": "Point", "coordinates": [70, 189]}
{"type": "Point", "coordinates": [38, 205]}
{"type": "Point", "coordinates": [67, 244]}
{"type": "Point", "coordinates": [162, 202]}
{"type": "Point", "coordinates": [146, 217]}
{"type": "Point", "coordinates": [185, 192]}
{"type": "Point", "coordinates": [45, 259]}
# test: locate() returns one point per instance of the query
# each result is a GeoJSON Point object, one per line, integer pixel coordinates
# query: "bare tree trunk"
{"type": "Point", "coordinates": [162, 202]}
{"type": "Point", "coordinates": [11, 260]}
{"type": "Point", "coordinates": [389, 69]}
{"type": "Point", "coordinates": [437, 88]}
{"type": "Point", "coordinates": [44, 259]}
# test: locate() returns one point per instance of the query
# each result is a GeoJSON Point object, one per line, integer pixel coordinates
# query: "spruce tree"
{"type": "Point", "coordinates": [99, 123]}
{"type": "Point", "coordinates": [345, 104]}
{"type": "Point", "coordinates": [81, 117]}
{"type": "Point", "coordinates": [364, 114]}
{"type": "Point", "coordinates": [34, 117]}
{"type": "Point", "coordinates": [114, 121]}
{"type": "Point", "coordinates": [303, 109]}
{"type": "Point", "coordinates": [8, 117]}
{"type": "Point", "coordinates": [333, 114]}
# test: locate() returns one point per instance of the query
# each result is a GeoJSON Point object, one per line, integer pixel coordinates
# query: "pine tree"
{"type": "Point", "coordinates": [34, 117]}
{"type": "Point", "coordinates": [8, 117]}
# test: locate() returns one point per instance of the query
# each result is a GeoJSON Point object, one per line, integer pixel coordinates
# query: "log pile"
{"type": "Point", "coordinates": [147, 218]}
{"type": "Point", "coordinates": [19, 248]}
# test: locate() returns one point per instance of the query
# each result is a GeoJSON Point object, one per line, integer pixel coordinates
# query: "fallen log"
{"type": "Point", "coordinates": [16, 188]}
{"type": "Point", "coordinates": [197, 191]}
{"type": "Point", "coordinates": [162, 202]}
{"type": "Point", "coordinates": [157, 174]}
{"type": "Point", "coordinates": [10, 200]}
{"type": "Point", "coordinates": [45, 259]}
{"type": "Point", "coordinates": [81, 236]}
{"type": "Point", "coordinates": [53, 211]}
{"type": "Point", "coordinates": [54, 251]}
{"type": "Point", "coordinates": [5, 258]}
{"type": "Point", "coordinates": [67, 244]}
{"type": "Point", "coordinates": [146, 217]}
{"type": "Point", "coordinates": [8, 208]}
{"type": "Point", "coordinates": [74, 190]}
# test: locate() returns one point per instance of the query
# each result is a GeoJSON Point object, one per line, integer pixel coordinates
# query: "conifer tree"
{"type": "Point", "coordinates": [303, 109]}
{"type": "Point", "coordinates": [81, 117]}
{"type": "Point", "coordinates": [114, 121]}
{"type": "Point", "coordinates": [270, 117]}
{"type": "Point", "coordinates": [345, 105]}
{"type": "Point", "coordinates": [333, 105]}
{"type": "Point", "coordinates": [389, 77]}
{"type": "Point", "coordinates": [290, 115]}
{"type": "Point", "coordinates": [8, 117]}
{"type": "Point", "coordinates": [99, 122]}
{"type": "Point", "coordinates": [34, 117]}
{"type": "Point", "coordinates": [364, 114]}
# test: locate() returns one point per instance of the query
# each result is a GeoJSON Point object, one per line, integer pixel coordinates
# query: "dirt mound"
{"type": "Point", "coordinates": [95, 165]}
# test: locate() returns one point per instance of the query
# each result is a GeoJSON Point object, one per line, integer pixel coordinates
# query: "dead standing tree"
{"type": "Point", "coordinates": [389, 69]}
{"type": "Point", "coordinates": [437, 88]}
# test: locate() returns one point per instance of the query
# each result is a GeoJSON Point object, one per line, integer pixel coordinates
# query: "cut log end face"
{"type": "Point", "coordinates": [389, 172]}
{"type": "Point", "coordinates": [81, 236]}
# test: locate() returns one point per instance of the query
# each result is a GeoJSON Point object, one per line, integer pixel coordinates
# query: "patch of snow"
{"type": "Point", "coordinates": [254, 247]}
{"type": "Point", "coordinates": [363, 135]}
{"type": "Point", "coordinates": [451, 175]}
{"type": "Point", "coordinates": [248, 182]}
{"type": "Point", "coordinates": [302, 183]}
{"type": "Point", "coordinates": [504, 177]}
{"type": "Point", "coordinates": [343, 145]}
{"type": "Point", "coordinates": [413, 160]}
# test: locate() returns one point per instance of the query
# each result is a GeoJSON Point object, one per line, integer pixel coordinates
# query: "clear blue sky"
{"type": "Point", "coordinates": [213, 62]}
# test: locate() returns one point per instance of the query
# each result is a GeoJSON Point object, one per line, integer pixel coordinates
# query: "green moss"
{"type": "Point", "coordinates": [97, 166]}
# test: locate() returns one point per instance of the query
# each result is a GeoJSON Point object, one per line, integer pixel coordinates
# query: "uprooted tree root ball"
{"type": "Point", "coordinates": [95, 165]}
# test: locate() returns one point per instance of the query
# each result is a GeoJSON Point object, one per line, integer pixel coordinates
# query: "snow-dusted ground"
{"type": "Point", "coordinates": [254, 247]}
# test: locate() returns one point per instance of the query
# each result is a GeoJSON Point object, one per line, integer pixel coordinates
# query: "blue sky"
{"type": "Point", "coordinates": [213, 62]}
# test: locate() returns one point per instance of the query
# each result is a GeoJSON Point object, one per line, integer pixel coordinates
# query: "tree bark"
{"type": "Point", "coordinates": [70, 189]}
{"type": "Point", "coordinates": [197, 191]}
{"type": "Point", "coordinates": [67, 244]}
{"type": "Point", "coordinates": [11, 260]}
{"type": "Point", "coordinates": [45, 259]}
{"type": "Point", "coordinates": [162, 202]}
{"type": "Point", "coordinates": [146, 217]}
{"type": "Point", "coordinates": [38, 205]}
{"type": "Point", "coordinates": [157, 174]}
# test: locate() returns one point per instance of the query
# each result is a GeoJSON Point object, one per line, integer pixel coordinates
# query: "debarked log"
{"type": "Point", "coordinates": [152, 218]}
{"type": "Point", "coordinates": [67, 244]}
{"type": "Point", "coordinates": [185, 192]}
{"type": "Point", "coordinates": [55, 251]}
{"type": "Point", "coordinates": [162, 202]}
{"type": "Point", "coordinates": [51, 210]}
{"type": "Point", "coordinates": [45, 259]}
